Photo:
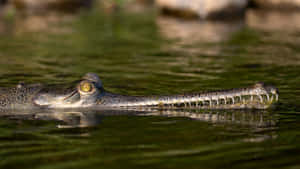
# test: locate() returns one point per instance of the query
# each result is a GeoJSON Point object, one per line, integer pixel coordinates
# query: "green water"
{"type": "Point", "coordinates": [142, 54]}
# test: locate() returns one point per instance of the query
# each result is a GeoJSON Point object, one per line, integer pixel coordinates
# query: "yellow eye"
{"type": "Point", "coordinates": [86, 87]}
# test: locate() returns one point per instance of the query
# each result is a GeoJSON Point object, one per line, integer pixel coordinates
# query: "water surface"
{"type": "Point", "coordinates": [143, 54]}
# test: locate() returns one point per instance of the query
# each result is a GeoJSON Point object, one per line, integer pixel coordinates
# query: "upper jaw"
{"type": "Point", "coordinates": [56, 101]}
{"type": "Point", "coordinates": [74, 99]}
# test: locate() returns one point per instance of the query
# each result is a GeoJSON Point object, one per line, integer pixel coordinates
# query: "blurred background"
{"type": "Point", "coordinates": [132, 44]}
{"type": "Point", "coordinates": [147, 47]}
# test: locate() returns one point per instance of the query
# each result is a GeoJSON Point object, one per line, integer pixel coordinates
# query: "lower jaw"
{"type": "Point", "coordinates": [245, 104]}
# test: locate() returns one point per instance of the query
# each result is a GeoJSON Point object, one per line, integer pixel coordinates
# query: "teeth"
{"type": "Point", "coordinates": [271, 99]}
{"type": "Point", "coordinates": [216, 101]}
{"type": "Point", "coordinates": [219, 98]}
{"type": "Point", "coordinates": [268, 97]}
{"type": "Point", "coordinates": [261, 98]}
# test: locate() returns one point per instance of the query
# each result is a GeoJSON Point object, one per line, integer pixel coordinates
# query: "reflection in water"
{"type": "Point", "coordinates": [72, 119]}
{"type": "Point", "coordinates": [4, 11]}
{"type": "Point", "coordinates": [88, 118]}
{"type": "Point", "coordinates": [47, 16]}
{"type": "Point", "coordinates": [66, 119]}
{"type": "Point", "coordinates": [51, 22]}
{"type": "Point", "coordinates": [273, 20]}
{"type": "Point", "coordinates": [269, 26]}
{"type": "Point", "coordinates": [2, 25]}
{"type": "Point", "coordinates": [195, 31]}
{"type": "Point", "coordinates": [251, 118]}
{"type": "Point", "coordinates": [190, 33]}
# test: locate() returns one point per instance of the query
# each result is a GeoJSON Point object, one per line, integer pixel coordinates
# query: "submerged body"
{"type": "Point", "coordinates": [89, 93]}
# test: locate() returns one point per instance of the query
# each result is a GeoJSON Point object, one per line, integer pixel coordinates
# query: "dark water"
{"type": "Point", "coordinates": [142, 54]}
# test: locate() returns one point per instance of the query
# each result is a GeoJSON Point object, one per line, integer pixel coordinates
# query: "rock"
{"type": "Point", "coordinates": [278, 4]}
{"type": "Point", "coordinates": [42, 5]}
{"type": "Point", "coordinates": [110, 6]}
{"type": "Point", "coordinates": [3, 2]}
{"type": "Point", "coordinates": [203, 8]}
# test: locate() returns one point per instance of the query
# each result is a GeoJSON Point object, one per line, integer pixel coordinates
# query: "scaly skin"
{"type": "Point", "coordinates": [89, 93]}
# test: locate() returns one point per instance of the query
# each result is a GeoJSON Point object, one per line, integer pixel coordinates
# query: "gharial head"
{"type": "Point", "coordinates": [82, 93]}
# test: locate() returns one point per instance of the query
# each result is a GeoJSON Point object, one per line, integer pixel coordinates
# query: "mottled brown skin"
{"type": "Point", "coordinates": [19, 96]}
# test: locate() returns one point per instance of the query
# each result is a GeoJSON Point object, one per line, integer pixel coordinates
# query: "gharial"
{"type": "Point", "coordinates": [88, 92]}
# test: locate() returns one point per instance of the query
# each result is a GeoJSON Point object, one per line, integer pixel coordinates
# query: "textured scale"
{"type": "Point", "coordinates": [19, 96]}
{"type": "Point", "coordinates": [93, 95]}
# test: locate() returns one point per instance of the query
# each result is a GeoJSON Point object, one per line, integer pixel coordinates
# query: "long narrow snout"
{"type": "Point", "coordinates": [259, 96]}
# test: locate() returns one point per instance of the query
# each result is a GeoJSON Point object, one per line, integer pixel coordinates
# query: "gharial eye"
{"type": "Point", "coordinates": [86, 87]}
